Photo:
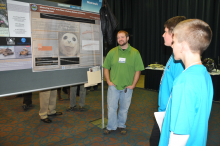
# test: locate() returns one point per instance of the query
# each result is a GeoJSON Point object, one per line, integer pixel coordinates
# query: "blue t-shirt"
{"type": "Point", "coordinates": [172, 70]}
{"type": "Point", "coordinates": [189, 107]}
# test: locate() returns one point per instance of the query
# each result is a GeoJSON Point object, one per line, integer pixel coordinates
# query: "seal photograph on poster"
{"type": "Point", "coordinates": [68, 44]}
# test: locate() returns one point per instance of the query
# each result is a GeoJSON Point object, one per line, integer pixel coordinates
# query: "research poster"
{"type": "Point", "coordinates": [15, 41]}
{"type": "Point", "coordinates": [60, 42]}
{"type": "Point", "coordinates": [47, 38]}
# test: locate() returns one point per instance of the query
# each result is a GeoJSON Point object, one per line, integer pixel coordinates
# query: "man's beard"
{"type": "Point", "coordinates": [123, 43]}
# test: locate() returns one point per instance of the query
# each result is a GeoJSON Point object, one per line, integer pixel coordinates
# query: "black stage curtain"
{"type": "Point", "coordinates": [146, 18]}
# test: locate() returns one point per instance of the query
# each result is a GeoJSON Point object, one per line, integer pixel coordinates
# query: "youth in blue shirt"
{"type": "Point", "coordinates": [172, 70]}
{"type": "Point", "coordinates": [189, 107]}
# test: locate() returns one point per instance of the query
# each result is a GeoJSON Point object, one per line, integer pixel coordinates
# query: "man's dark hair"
{"type": "Point", "coordinates": [172, 22]}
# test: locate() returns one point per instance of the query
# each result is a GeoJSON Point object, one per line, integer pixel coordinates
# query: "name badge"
{"type": "Point", "coordinates": [122, 60]}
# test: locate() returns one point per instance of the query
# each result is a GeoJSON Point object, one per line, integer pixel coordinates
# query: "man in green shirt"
{"type": "Point", "coordinates": [122, 68]}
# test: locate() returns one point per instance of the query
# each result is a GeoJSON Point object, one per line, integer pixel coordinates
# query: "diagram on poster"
{"type": "Point", "coordinates": [90, 46]}
{"type": "Point", "coordinates": [15, 57]}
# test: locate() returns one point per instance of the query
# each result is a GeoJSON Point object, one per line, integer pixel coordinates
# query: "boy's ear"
{"type": "Point", "coordinates": [184, 47]}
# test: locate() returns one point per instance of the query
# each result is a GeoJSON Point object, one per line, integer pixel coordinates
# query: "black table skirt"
{"type": "Point", "coordinates": [153, 77]}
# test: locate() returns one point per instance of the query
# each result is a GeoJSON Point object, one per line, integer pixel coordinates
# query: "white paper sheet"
{"type": "Point", "coordinates": [178, 140]}
{"type": "Point", "coordinates": [159, 116]}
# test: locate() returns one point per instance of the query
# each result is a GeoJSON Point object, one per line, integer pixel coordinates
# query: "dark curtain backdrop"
{"type": "Point", "coordinates": [144, 19]}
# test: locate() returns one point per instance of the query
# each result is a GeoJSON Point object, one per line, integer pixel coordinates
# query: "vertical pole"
{"type": "Point", "coordinates": [103, 116]}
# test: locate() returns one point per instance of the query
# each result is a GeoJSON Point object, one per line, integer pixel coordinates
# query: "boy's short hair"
{"type": "Point", "coordinates": [125, 32]}
{"type": "Point", "coordinates": [196, 33]}
{"type": "Point", "coordinates": [172, 22]}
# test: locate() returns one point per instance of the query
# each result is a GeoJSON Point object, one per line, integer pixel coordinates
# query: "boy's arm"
{"type": "Point", "coordinates": [178, 140]}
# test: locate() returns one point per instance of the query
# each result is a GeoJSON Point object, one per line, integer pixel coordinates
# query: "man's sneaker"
{"type": "Point", "coordinates": [106, 131]}
{"type": "Point", "coordinates": [123, 131]}
{"type": "Point", "coordinates": [82, 109]}
{"type": "Point", "coordinates": [72, 108]}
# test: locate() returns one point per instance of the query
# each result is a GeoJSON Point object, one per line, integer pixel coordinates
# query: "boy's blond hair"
{"type": "Point", "coordinates": [196, 33]}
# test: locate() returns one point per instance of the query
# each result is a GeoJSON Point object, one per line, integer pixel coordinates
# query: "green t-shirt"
{"type": "Point", "coordinates": [123, 65]}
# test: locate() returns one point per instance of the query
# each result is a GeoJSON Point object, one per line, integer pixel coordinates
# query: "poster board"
{"type": "Point", "coordinates": [17, 81]}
